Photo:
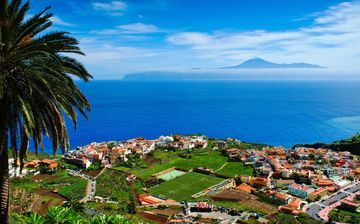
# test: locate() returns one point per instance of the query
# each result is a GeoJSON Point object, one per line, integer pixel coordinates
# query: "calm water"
{"type": "Point", "coordinates": [273, 112]}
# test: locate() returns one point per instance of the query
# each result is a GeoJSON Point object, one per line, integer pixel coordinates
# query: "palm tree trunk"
{"type": "Point", "coordinates": [4, 185]}
{"type": "Point", "coordinates": [4, 166]}
{"type": "Point", "coordinates": [24, 145]}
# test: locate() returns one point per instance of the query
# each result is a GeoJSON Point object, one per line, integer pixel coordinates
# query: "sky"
{"type": "Point", "coordinates": [121, 37]}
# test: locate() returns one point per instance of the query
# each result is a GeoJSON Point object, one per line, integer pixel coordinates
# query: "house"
{"type": "Point", "coordinates": [323, 182]}
{"type": "Point", "coordinates": [317, 194]}
{"type": "Point", "coordinates": [51, 164]}
{"type": "Point", "coordinates": [260, 182]}
{"type": "Point", "coordinates": [286, 173]}
{"type": "Point", "coordinates": [274, 163]}
{"type": "Point", "coordinates": [330, 172]}
{"type": "Point", "coordinates": [350, 205]}
{"type": "Point", "coordinates": [245, 179]}
{"type": "Point", "coordinates": [146, 199]}
{"type": "Point", "coordinates": [298, 204]}
{"type": "Point", "coordinates": [34, 163]}
{"type": "Point", "coordinates": [200, 207]}
{"type": "Point", "coordinates": [341, 183]}
{"type": "Point", "coordinates": [48, 166]}
{"type": "Point", "coordinates": [282, 183]}
{"type": "Point", "coordinates": [246, 188]}
{"type": "Point", "coordinates": [285, 198]}
{"type": "Point", "coordinates": [80, 162]}
{"type": "Point", "coordinates": [299, 190]}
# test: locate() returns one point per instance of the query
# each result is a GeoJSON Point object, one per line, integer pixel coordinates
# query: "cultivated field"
{"type": "Point", "coordinates": [182, 187]}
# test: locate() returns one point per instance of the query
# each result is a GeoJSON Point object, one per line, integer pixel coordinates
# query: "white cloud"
{"type": "Point", "coordinates": [57, 21]}
{"type": "Point", "coordinates": [104, 59]}
{"type": "Point", "coordinates": [191, 38]}
{"type": "Point", "coordinates": [134, 28]}
{"type": "Point", "coordinates": [115, 8]}
{"type": "Point", "coordinates": [333, 40]}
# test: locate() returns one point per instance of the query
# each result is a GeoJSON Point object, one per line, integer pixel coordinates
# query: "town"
{"type": "Point", "coordinates": [196, 179]}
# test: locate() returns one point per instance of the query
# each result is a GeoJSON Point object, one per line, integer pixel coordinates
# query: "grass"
{"type": "Point", "coordinates": [76, 190]}
{"type": "Point", "coordinates": [237, 206]}
{"type": "Point", "coordinates": [52, 182]}
{"type": "Point", "coordinates": [235, 168]}
{"type": "Point", "coordinates": [209, 159]}
{"type": "Point", "coordinates": [182, 187]}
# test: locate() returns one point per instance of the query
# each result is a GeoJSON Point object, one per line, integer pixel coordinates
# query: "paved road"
{"type": "Point", "coordinates": [91, 186]}
{"type": "Point", "coordinates": [314, 211]}
{"type": "Point", "coordinates": [335, 198]}
{"type": "Point", "coordinates": [315, 208]}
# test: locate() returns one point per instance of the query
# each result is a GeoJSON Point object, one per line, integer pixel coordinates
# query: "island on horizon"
{"type": "Point", "coordinates": [259, 63]}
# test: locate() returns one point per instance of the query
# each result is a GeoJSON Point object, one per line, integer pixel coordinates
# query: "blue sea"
{"type": "Point", "coordinates": [272, 112]}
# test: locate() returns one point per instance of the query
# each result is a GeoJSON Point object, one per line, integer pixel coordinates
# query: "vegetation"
{"type": "Point", "coordinates": [112, 184]}
{"type": "Point", "coordinates": [199, 158]}
{"type": "Point", "coordinates": [235, 168]}
{"type": "Point", "coordinates": [246, 145]}
{"type": "Point", "coordinates": [283, 218]}
{"type": "Point", "coordinates": [36, 86]}
{"type": "Point", "coordinates": [70, 187]}
{"type": "Point", "coordinates": [182, 187]}
{"type": "Point", "coordinates": [236, 205]}
{"type": "Point", "coordinates": [343, 216]}
{"type": "Point", "coordinates": [264, 198]}
{"type": "Point", "coordinates": [351, 144]}
{"type": "Point", "coordinates": [75, 191]}
{"type": "Point", "coordinates": [95, 165]}
{"type": "Point", "coordinates": [65, 215]}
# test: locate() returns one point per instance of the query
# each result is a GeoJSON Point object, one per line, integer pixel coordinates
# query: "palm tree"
{"type": "Point", "coordinates": [109, 219]}
{"type": "Point", "coordinates": [33, 218]}
{"type": "Point", "coordinates": [36, 86]}
{"type": "Point", "coordinates": [61, 215]}
{"type": "Point", "coordinates": [74, 205]}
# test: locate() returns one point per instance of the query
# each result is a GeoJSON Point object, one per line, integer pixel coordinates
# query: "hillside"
{"type": "Point", "coordinates": [351, 144]}
{"type": "Point", "coordinates": [259, 63]}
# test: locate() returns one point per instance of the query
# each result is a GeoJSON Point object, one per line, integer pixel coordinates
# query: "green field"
{"type": "Point", "coordinates": [182, 187]}
{"type": "Point", "coordinates": [209, 159]}
{"type": "Point", "coordinates": [235, 168]}
{"type": "Point", "coordinates": [76, 190]}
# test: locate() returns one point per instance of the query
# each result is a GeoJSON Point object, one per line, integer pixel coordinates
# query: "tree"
{"type": "Point", "coordinates": [36, 87]}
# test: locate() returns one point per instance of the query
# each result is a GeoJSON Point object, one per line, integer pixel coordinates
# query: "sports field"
{"type": "Point", "coordinates": [171, 175]}
{"type": "Point", "coordinates": [209, 159]}
{"type": "Point", "coordinates": [182, 187]}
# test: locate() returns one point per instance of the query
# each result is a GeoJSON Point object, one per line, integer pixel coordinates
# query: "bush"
{"type": "Point", "coordinates": [61, 215]}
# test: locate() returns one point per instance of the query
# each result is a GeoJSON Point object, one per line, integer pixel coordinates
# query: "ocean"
{"type": "Point", "coordinates": [272, 112]}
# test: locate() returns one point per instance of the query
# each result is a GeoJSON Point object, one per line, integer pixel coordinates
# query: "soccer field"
{"type": "Point", "coordinates": [171, 175]}
{"type": "Point", "coordinates": [182, 187]}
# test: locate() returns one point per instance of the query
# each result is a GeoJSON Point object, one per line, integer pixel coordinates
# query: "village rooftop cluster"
{"type": "Point", "coordinates": [110, 152]}
{"type": "Point", "coordinates": [302, 179]}
{"type": "Point", "coordinates": [298, 180]}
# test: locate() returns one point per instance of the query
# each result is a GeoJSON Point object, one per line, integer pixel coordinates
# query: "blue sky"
{"type": "Point", "coordinates": [121, 37]}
